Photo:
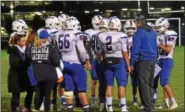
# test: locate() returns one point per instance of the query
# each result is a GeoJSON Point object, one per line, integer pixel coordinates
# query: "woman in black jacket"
{"type": "Point", "coordinates": [18, 80]}
{"type": "Point", "coordinates": [44, 58]}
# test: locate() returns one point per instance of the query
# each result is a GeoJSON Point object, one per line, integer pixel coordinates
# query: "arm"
{"type": "Point", "coordinates": [167, 48]}
{"type": "Point", "coordinates": [125, 53]}
{"type": "Point", "coordinates": [55, 58]}
{"type": "Point", "coordinates": [135, 48]}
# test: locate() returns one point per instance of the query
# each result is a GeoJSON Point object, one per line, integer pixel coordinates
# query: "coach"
{"type": "Point", "coordinates": [144, 56]}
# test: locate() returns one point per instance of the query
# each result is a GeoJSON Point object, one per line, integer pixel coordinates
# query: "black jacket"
{"type": "Point", "coordinates": [44, 60]}
{"type": "Point", "coordinates": [18, 80]}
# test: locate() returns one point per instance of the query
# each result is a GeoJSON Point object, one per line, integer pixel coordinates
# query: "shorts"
{"type": "Point", "coordinates": [74, 77]}
{"type": "Point", "coordinates": [117, 71]}
{"type": "Point", "coordinates": [95, 70]}
{"type": "Point", "coordinates": [166, 67]}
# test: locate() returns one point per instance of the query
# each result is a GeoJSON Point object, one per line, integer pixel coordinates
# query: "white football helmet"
{"type": "Point", "coordinates": [19, 26]}
{"type": "Point", "coordinates": [114, 23]}
{"type": "Point", "coordinates": [96, 21]}
{"type": "Point", "coordinates": [161, 24]}
{"type": "Point", "coordinates": [72, 23]}
{"type": "Point", "coordinates": [129, 27]}
{"type": "Point", "coordinates": [52, 22]}
{"type": "Point", "coordinates": [62, 19]}
{"type": "Point", "coordinates": [104, 23]}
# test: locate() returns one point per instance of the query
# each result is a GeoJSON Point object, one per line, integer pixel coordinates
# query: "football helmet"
{"type": "Point", "coordinates": [114, 23]}
{"type": "Point", "coordinates": [96, 21]}
{"type": "Point", "coordinates": [20, 26]}
{"type": "Point", "coordinates": [62, 19]}
{"type": "Point", "coordinates": [129, 27]}
{"type": "Point", "coordinates": [104, 23]}
{"type": "Point", "coordinates": [72, 23]}
{"type": "Point", "coordinates": [161, 24]}
{"type": "Point", "coordinates": [52, 22]}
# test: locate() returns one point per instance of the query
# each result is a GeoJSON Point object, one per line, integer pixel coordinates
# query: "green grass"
{"type": "Point", "coordinates": [176, 82]}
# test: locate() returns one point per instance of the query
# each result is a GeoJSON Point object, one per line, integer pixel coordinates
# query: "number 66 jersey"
{"type": "Point", "coordinates": [112, 43]}
{"type": "Point", "coordinates": [71, 46]}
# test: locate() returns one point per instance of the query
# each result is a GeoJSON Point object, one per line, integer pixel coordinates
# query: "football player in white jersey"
{"type": "Point", "coordinates": [70, 44]}
{"type": "Point", "coordinates": [166, 44]}
{"type": "Point", "coordinates": [62, 19]}
{"type": "Point", "coordinates": [129, 29]}
{"type": "Point", "coordinates": [116, 59]}
{"type": "Point", "coordinates": [94, 62]}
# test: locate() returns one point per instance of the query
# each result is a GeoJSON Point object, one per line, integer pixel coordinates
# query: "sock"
{"type": "Point", "coordinates": [172, 100]}
{"type": "Point", "coordinates": [109, 101]}
{"type": "Point", "coordinates": [166, 100]}
{"type": "Point", "coordinates": [86, 106]}
{"type": "Point", "coordinates": [122, 101]}
{"type": "Point", "coordinates": [63, 99]}
{"type": "Point", "coordinates": [69, 106]}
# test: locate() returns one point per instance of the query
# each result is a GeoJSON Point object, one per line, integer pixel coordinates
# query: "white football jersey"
{"type": "Point", "coordinates": [71, 46]}
{"type": "Point", "coordinates": [93, 44]}
{"type": "Point", "coordinates": [129, 44]}
{"type": "Point", "coordinates": [112, 43]}
{"type": "Point", "coordinates": [168, 38]}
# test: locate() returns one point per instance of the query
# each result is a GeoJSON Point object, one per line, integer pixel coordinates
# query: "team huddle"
{"type": "Point", "coordinates": [105, 51]}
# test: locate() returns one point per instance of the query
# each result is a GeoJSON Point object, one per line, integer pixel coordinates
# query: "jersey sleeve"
{"type": "Point", "coordinates": [81, 47]}
{"type": "Point", "coordinates": [171, 37]}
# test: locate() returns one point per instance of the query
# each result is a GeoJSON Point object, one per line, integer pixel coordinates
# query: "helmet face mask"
{"type": "Point", "coordinates": [129, 27]}
{"type": "Point", "coordinates": [96, 21]}
{"type": "Point", "coordinates": [161, 25]}
{"type": "Point", "coordinates": [104, 23]}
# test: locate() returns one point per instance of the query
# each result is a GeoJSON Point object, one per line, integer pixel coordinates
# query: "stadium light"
{"type": "Point", "coordinates": [139, 9]}
{"type": "Point", "coordinates": [86, 11]}
{"type": "Point", "coordinates": [38, 13]}
{"type": "Point", "coordinates": [11, 6]}
{"type": "Point", "coordinates": [96, 10]}
{"type": "Point", "coordinates": [151, 8]}
{"type": "Point", "coordinates": [124, 9]}
{"type": "Point", "coordinates": [109, 10]}
{"type": "Point", "coordinates": [167, 9]}
{"type": "Point", "coordinates": [182, 8]}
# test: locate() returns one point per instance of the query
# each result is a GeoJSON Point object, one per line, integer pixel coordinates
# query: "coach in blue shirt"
{"type": "Point", "coordinates": [144, 56]}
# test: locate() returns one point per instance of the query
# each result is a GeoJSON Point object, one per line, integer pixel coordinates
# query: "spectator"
{"type": "Point", "coordinates": [18, 80]}
{"type": "Point", "coordinates": [44, 58]}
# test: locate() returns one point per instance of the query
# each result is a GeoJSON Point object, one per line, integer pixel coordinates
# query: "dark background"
{"type": "Point", "coordinates": [34, 12]}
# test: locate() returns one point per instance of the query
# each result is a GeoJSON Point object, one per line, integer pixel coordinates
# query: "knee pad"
{"type": "Point", "coordinates": [68, 94]}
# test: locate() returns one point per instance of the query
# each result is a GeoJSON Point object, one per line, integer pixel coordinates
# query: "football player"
{"type": "Point", "coordinates": [113, 48]}
{"type": "Point", "coordinates": [94, 62]}
{"type": "Point", "coordinates": [70, 44]}
{"type": "Point", "coordinates": [166, 43]}
{"type": "Point", "coordinates": [129, 29]}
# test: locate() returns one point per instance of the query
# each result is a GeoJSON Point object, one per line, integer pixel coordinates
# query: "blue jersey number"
{"type": "Point", "coordinates": [109, 43]}
{"type": "Point", "coordinates": [63, 41]}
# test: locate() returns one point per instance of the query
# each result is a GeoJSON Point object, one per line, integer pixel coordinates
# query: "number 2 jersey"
{"type": "Point", "coordinates": [112, 44]}
{"type": "Point", "coordinates": [71, 46]}
{"type": "Point", "coordinates": [168, 38]}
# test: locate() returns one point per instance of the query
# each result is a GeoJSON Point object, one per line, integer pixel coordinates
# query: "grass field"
{"type": "Point", "coordinates": [176, 81]}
